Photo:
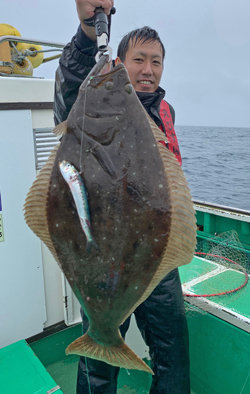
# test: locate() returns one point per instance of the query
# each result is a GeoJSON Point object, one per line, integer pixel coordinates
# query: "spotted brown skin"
{"type": "Point", "coordinates": [141, 211]}
{"type": "Point", "coordinates": [127, 195]}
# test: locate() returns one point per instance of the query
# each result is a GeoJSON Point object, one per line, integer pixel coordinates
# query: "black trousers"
{"type": "Point", "coordinates": [162, 323]}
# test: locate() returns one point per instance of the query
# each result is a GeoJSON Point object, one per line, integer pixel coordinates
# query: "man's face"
{"type": "Point", "coordinates": [144, 63]}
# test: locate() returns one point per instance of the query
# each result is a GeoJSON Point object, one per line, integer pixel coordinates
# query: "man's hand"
{"type": "Point", "coordinates": [86, 9]}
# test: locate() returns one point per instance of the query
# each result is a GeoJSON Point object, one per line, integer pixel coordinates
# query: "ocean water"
{"type": "Point", "coordinates": [216, 162]}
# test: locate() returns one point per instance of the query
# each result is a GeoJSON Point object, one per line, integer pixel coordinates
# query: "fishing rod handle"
{"type": "Point", "coordinates": [101, 22]}
{"type": "Point", "coordinates": [91, 21]}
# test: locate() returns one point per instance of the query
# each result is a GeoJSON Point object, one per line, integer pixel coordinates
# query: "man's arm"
{"type": "Point", "coordinates": [77, 59]}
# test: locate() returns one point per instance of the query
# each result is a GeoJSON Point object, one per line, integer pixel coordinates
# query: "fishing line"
{"type": "Point", "coordinates": [80, 171]}
{"type": "Point", "coordinates": [94, 72]}
{"type": "Point", "coordinates": [87, 371]}
{"type": "Point", "coordinates": [245, 383]}
{"type": "Point", "coordinates": [83, 124]}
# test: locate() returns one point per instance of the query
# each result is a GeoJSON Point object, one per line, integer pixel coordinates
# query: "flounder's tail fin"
{"type": "Point", "coordinates": [119, 355]}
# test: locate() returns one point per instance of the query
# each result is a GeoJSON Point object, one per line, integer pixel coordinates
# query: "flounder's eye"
{"type": "Point", "coordinates": [109, 85]}
{"type": "Point", "coordinates": [128, 88]}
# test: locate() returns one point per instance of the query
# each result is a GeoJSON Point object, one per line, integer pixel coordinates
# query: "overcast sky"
{"type": "Point", "coordinates": [207, 66]}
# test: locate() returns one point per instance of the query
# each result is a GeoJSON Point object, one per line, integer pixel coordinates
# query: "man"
{"type": "Point", "coordinates": [160, 319]}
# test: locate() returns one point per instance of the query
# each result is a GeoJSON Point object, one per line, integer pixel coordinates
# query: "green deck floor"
{"type": "Point", "coordinates": [220, 369]}
{"type": "Point", "coordinates": [196, 268]}
{"type": "Point", "coordinates": [64, 368]}
{"type": "Point", "coordinates": [21, 372]}
{"type": "Point", "coordinates": [129, 382]}
{"type": "Point", "coordinates": [230, 279]}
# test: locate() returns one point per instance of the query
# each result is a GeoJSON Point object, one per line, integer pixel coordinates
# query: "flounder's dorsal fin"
{"type": "Point", "coordinates": [181, 241]}
{"type": "Point", "coordinates": [35, 207]}
{"type": "Point", "coordinates": [61, 129]}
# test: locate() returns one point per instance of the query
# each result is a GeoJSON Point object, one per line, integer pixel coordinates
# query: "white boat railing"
{"type": "Point", "coordinates": [32, 41]}
{"type": "Point", "coordinates": [222, 210]}
{"type": "Point", "coordinates": [57, 47]}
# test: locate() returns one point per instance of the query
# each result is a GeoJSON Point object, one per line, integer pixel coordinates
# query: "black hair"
{"type": "Point", "coordinates": [143, 34]}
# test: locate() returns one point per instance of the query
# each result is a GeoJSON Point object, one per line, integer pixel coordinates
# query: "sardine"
{"type": "Point", "coordinates": [142, 215]}
{"type": "Point", "coordinates": [77, 188]}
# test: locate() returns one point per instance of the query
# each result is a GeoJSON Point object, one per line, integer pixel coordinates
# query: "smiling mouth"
{"type": "Point", "coordinates": [145, 82]}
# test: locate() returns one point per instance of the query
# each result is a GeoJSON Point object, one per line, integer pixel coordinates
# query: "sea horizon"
{"type": "Point", "coordinates": [216, 162]}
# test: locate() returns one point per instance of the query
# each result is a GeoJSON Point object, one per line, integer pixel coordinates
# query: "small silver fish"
{"type": "Point", "coordinates": [77, 188]}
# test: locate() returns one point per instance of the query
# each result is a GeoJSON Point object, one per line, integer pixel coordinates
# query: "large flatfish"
{"type": "Point", "coordinates": [140, 211]}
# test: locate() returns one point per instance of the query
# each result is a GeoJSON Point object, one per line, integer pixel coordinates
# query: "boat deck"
{"type": "Point", "coordinates": [23, 373]}
{"type": "Point", "coordinates": [204, 277]}
{"type": "Point", "coordinates": [42, 367]}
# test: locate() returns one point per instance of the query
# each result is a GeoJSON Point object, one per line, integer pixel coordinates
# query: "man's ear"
{"type": "Point", "coordinates": [117, 61]}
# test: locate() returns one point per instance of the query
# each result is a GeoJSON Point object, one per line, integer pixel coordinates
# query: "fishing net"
{"type": "Point", "coordinates": [225, 265]}
{"type": "Point", "coordinates": [217, 306]}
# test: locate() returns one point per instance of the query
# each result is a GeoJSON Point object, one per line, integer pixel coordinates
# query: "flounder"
{"type": "Point", "coordinates": [141, 212]}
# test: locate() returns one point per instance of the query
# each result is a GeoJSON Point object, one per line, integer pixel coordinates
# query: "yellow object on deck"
{"type": "Point", "coordinates": [17, 57]}
{"type": "Point", "coordinates": [23, 68]}
{"type": "Point", "coordinates": [8, 30]}
{"type": "Point", "coordinates": [36, 58]}
{"type": "Point", "coordinates": [5, 58]}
